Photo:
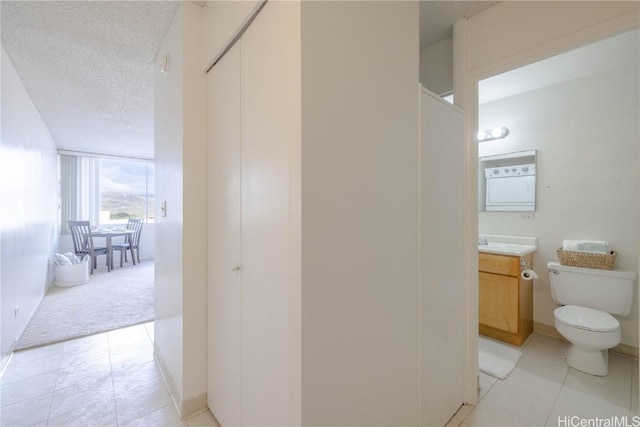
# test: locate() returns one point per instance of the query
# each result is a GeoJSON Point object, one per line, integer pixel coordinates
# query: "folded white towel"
{"type": "Point", "coordinates": [595, 246]}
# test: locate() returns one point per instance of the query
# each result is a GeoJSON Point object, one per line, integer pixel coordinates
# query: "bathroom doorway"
{"type": "Point", "coordinates": [578, 112]}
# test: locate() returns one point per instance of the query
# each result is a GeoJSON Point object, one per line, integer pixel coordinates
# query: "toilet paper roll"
{"type": "Point", "coordinates": [528, 274]}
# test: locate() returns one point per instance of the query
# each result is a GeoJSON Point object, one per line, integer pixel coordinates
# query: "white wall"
{"type": "Point", "coordinates": [168, 105]}
{"type": "Point", "coordinates": [360, 213]}
{"type": "Point", "coordinates": [586, 134]}
{"type": "Point", "coordinates": [194, 256]}
{"type": "Point", "coordinates": [436, 67]}
{"type": "Point", "coordinates": [180, 239]}
{"type": "Point", "coordinates": [28, 212]}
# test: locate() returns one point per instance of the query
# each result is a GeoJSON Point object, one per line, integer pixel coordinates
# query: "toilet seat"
{"type": "Point", "coordinates": [587, 319]}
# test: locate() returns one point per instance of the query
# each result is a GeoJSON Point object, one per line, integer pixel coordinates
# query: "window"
{"type": "Point", "coordinates": [126, 190]}
{"type": "Point", "coordinates": [105, 190]}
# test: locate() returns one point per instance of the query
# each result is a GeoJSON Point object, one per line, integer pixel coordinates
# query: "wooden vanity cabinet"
{"type": "Point", "coordinates": [505, 300]}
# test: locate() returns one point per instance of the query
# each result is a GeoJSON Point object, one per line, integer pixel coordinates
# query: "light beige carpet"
{"type": "Point", "coordinates": [109, 301]}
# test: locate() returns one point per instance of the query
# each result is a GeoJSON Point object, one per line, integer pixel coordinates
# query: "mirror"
{"type": "Point", "coordinates": [507, 182]}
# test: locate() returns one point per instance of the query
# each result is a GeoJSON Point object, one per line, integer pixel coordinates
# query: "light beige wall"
{"type": "Point", "coordinates": [509, 33]}
{"type": "Point", "coordinates": [360, 65]}
{"type": "Point", "coordinates": [180, 251]}
{"type": "Point", "coordinates": [223, 18]}
{"type": "Point", "coordinates": [436, 67]}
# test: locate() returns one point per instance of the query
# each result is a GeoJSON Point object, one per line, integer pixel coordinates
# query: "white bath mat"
{"type": "Point", "coordinates": [496, 359]}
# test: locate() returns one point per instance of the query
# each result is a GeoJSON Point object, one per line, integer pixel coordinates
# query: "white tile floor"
{"type": "Point", "coordinates": [543, 388]}
{"type": "Point", "coordinates": [108, 379]}
{"type": "Point", "coordinates": [111, 379]}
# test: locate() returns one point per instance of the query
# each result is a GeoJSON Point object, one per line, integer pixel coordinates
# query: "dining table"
{"type": "Point", "coordinates": [109, 234]}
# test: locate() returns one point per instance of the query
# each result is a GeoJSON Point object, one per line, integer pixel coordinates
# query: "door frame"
{"type": "Point", "coordinates": [466, 80]}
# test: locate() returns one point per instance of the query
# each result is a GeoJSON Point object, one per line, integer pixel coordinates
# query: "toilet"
{"type": "Point", "coordinates": [589, 297]}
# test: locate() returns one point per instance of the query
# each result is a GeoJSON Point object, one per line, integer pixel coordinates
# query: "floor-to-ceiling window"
{"type": "Point", "coordinates": [105, 190]}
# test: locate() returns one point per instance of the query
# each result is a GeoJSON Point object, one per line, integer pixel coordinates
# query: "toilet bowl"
{"type": "Point", "coordinates": [591, 334]}
{"type": "Point", "coordinates": [589, 297]}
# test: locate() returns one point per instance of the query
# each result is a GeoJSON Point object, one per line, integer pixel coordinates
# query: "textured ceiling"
{"type": "Point", "coordinates": [437, 18]}
{"type": "Point", "coordinates": [88, 67]}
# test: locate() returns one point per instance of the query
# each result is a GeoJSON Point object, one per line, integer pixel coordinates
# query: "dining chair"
{"type": "Point", "coordinates": [83, 243]}
{"type": "Point", "coordinates": [132, 242]}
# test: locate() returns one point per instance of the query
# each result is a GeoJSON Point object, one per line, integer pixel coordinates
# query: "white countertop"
{"type": "Point", "coordinates": [508, 245]}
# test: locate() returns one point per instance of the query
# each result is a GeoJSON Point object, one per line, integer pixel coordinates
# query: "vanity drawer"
{"type": "Point", "coordinates": [499, 264]}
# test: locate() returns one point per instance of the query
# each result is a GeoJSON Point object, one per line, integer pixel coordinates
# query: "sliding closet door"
{"type": "Point", "coordinates": [270, 135]}
{"type": "Point", "coordinates": [224, 229]}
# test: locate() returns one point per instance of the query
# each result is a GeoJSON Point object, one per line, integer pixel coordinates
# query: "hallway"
{"type": "Point", "coordinates": [107, 379]}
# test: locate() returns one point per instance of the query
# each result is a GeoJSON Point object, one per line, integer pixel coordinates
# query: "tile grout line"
{"type": "Point", "coordinates": [55, 386]}
{"type": "Point", "coordinates": [555, 401]}
{"type": "Point", "coordinates": [113, 386]}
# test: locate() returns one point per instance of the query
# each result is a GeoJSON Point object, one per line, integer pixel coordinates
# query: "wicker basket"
{"type": "Point", "coordinates": [587, 259]}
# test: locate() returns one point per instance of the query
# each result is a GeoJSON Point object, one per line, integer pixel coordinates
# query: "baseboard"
{"type": "Point", "coordinates": [627, 350]}
{"type": "Point", "coordinates": [4, 362]}
{"type": "Point", "coordinates": [545, 329]}
{"type": "Point", "coordinates": [194, 406]}
{"type": "Point", "coordinates": [164, 371]}
{"type": "Point", "coordinates": [15, 341]}
{"type": "Point", "coordinates": [185, 408]}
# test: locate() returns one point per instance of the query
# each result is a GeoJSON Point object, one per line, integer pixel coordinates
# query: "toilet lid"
{"type": "Point", "coordinates": [587, 318]}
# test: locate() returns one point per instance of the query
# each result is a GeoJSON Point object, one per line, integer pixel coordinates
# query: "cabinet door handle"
{"type": "Point", "coordinates": [236, 268]}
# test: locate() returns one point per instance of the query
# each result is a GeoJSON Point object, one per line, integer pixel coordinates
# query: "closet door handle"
{"type": "Point", "coordinates": [236, 268]}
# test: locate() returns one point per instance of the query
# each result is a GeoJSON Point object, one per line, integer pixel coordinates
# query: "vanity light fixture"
{"type": "Point", "coordinates": [491, 134]}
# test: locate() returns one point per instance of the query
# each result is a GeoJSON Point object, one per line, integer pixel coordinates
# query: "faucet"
{"type": "Point", "coordinates": [482, 242]}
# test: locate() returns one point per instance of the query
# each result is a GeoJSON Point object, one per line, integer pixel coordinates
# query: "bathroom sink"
{"type": "Point", "coordinates": [507, 249]}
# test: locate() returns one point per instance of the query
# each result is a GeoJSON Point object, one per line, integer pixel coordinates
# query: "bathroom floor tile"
{"type": "Point", "coordinates": [519, 400]}
{"type": "Point", "coordinates": [485, 382]}
{"type": "Point", "coordinates": [588, 405]}
{"type": "Point", "coordinates": [615, 389]}
{"type": "Point", "coordinates": [489, 415]}
{"type": "Point", "coordinates": [621, 365]}
{"type": "Point", "coordinates": [534, 382]}
{"type": "Point", "coordinates": [553, 370]}
{"type": "Point", "coordinates": [559, 414]}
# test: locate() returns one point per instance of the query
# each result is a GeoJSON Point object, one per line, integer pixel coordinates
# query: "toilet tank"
{"type": "Point", "coordinates": [606, 290]}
